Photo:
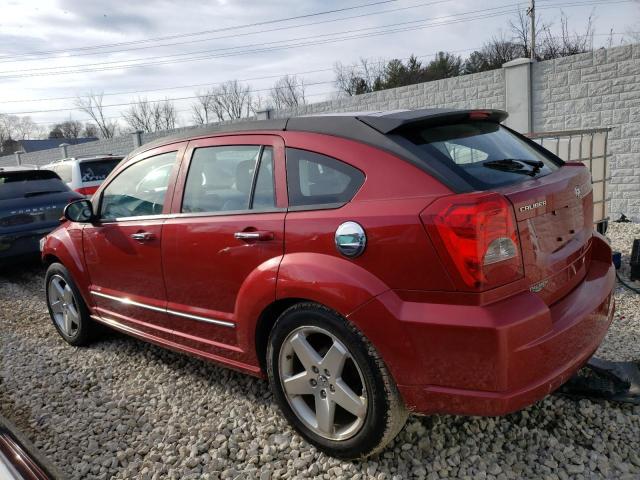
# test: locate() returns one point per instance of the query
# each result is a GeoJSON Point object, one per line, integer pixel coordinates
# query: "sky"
{"type": "Point", "coordinates": [54, 50]}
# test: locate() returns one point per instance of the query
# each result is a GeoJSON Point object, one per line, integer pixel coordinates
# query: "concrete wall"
{"type": "Point", "coordinates": [598, 89]}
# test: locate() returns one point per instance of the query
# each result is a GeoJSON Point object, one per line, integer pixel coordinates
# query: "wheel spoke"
{"type": "Point", "coordinates": [72, 313]}
{"type": "Point", "coordinates": [56, 307]}
{"type": "Point", "coordinates": [67, 323]}
{"type": "Point", "coordinates": [68, 295]}
{"type": "Point", "coordinates": [298, 384]}
{"type": "Point", "coordinates": [325, 414]}
{"type": "Point", "coordinates": [59, 291]}
{"type": "Point", "coordinates": [347, 399]}
{"type": "Point", "coordinates": [334, 360]}
{"type": "Point", "coordinates": [305, 352]}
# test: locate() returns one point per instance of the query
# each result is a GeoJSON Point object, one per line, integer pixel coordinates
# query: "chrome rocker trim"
{"type": "Point", "coordinates": [127, 301]}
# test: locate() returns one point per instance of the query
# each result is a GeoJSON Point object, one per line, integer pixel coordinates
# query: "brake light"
{"type": "Point", "coordinates": [479, 115]}
{"type": "Point", "coordinates": [476, 236]}
{"type": "Point", "coordinates": [86, 191]}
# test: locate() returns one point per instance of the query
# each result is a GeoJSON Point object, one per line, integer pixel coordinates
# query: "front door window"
{"type": "Point", "coordinates": [139, 190]}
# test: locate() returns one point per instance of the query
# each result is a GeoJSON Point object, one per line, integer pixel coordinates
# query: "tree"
{"type": "Point", "coordinates": [91, 104]}
{"type": "Point", "coordinates": [494, 53]}
{"type": "Point", "coordinates": [90, 130]}
{"type": "Point", "coordinates": [56, 132]}
{"type": "Point", "coordinates": [445, 65]}
{"type": "Point", "coordinates": [71, 128]}
{"type": "Point", "coordinates": [232, 100]}
{"type": "Point", "coordinates": [151, 116]}
{"type": "Point", "coordinates": [202, 110]}
{"type": "Point", "coordinates": [567, 43]}
{"type": "Point", "coordinates": [363, 77]}
{"type": "Point", "coordinates": [288, 92]}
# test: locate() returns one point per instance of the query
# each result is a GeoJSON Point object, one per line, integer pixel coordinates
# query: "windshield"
{"type": "Point", "coordinates": [485, 154]}
{"type": "Point", "coordinates": [27, 183]}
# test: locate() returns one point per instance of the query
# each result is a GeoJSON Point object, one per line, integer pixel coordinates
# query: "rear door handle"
{"type": "Point", "coordinates": [255, 235]}
{"type": "Point", "coordinates": [143, 236]}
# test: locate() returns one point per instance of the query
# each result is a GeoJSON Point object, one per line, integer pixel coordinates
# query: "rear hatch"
{"type": "Point", "coordinates": [31, 200]}
{"type": "Point", "coordinates": [550, 201]}
{"type": "Point", "coordinates": [554, 215]}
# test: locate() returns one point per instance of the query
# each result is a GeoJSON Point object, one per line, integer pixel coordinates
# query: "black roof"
{"type": "Point", "coordinates": [379, 129]}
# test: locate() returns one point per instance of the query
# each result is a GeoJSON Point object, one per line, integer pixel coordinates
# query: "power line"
{"type": "Point", "coordinates": [334, 39]}
{"type": "Point", "coordinates": [296, 45]}
{"type": "Point", "coordinates": [190, 97]}
{"type": "Point", "coordinates": [119, 117]}
{"type": "Point", "coordinates": [162, 58]}
{"type": "Point", "coordinates": [234, 35]}
{"type": "Point", "coordinates": [204, 32]}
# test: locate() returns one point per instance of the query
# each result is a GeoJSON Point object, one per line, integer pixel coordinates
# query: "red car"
{"type": "Point", "coordinates": [370, 265]}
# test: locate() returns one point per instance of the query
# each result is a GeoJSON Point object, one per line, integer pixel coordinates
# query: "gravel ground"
{"type": "Point", "coordinates": [128, 410]}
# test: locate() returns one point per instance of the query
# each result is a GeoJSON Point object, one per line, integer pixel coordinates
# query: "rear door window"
{"type": "Point", "coordinates": [485, 154]}
{"type": "Point", "coordinates": [223, 179]}
{"type": "Point", "coordinates": [97, 170]}
{"type": "Point", "coordinates": [315, 180]}
{"type": "Point", "coordinates": [29, 183]}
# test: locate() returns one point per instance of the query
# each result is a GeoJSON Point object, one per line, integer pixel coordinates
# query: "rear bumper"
{"type": "Point", "coordinates": [22, 244]}
{"type": "Point", "coordinates": [498, 358]}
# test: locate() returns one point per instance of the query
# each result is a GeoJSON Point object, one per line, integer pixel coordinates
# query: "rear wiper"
{"type": "Point", "coordinates": [514, 165]}
{"type": "Point", "coordinates": [41, 192]}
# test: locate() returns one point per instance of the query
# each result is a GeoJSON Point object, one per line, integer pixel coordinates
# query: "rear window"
{"type": "Point", "coordinates": [97, 170]}
{"type": "Point", "coordinates": [485, 154]}
{"type": "Point", "coordinates": [29, 183]}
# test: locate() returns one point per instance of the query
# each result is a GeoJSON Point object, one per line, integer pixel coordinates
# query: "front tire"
{"type": "Point", "coordinates": [69, 313]}
{"type": "Point", "coordinates": [331, 384]}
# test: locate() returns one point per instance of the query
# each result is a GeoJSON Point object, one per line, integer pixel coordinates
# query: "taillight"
{"type": "Point", "coordinates": [86, 191]}
{"type": "Point", "coordinates": [476, 236]}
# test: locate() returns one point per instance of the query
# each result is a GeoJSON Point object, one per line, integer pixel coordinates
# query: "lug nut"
{"type": "Point", "coordinates": [313, 382]}
{"type": "Point", "coordinates": [315, 369]}
{"type": "Point", "coordinates": [327, 373]}
{"type": "Point", "coordinates": [332, 388]}
{"type": "Point", "coordinates": [323, 393]}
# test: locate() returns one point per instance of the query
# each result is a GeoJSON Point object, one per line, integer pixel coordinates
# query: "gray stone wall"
{"type": "Point", "coordinates": [598, 89]}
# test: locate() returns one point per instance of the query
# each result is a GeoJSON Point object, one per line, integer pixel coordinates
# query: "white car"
{"type": "Point", "coordinates": [84, 174]}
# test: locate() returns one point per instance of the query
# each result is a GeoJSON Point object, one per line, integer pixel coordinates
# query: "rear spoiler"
{"type": "Point", "coordinates": [391, 123]}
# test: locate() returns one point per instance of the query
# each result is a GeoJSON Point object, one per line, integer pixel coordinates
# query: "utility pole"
{"type": "Point", "coordinates": [531, 12]}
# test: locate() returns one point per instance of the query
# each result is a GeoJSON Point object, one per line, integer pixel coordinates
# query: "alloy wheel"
{"type": "Point", "coordinates": [323, 383]}
{"type": "Point", "coordinates": [63, 305]}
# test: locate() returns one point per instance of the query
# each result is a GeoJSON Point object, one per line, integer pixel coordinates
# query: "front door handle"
{"type": "Point", "coordinates": [254, 235]}
{"type": "Point", "coordinates": [143, 236]}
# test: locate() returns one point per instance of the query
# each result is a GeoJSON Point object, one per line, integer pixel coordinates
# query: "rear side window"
{"type": "Point", "coordinates": [223, 179]}
{"type": "Point", "coordinates": [29, 183]}
{"type": "Point", "coordinates": [485, 154]}
{"type": "Point", "coordinates": [97, 170]}
{"type": "Point", "coordinates": [139, 189]}
{"type": "Point", "coordinates": [315, 179]}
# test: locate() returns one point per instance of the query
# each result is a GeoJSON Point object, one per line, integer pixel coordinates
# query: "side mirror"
{"type": "Point", "coordinates": [80, 211]}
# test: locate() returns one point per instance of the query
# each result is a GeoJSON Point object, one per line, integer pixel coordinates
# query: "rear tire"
{"type": "Point", "coordinates": [331, 384]}
{"type": "Point", "coordinates": [69, 313]}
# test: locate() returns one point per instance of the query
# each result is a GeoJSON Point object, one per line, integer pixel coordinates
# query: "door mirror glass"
{"type": "Point", "coordinates": [80, 211]}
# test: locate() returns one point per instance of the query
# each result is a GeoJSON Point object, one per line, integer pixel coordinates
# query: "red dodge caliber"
{"type": "Point", "coordinates": [370, 265]}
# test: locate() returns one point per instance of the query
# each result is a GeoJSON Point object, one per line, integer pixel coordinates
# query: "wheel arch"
{"type": "Point", "coordinates": [64, 246]}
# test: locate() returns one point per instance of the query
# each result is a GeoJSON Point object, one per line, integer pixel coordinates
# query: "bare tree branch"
{"type": "Point", "coordinates": [151, 116]}
{"type": "Point", "coordinates": [288, 92]}
{"type": "Point", "coordinates": [91, 104]}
